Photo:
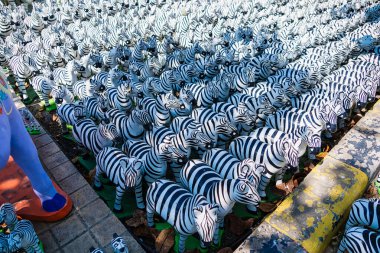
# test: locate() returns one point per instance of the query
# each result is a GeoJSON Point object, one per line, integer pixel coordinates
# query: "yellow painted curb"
{"type": "Point", "coordinates": [319, 205]}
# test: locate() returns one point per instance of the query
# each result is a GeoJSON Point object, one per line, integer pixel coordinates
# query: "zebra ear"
{"type": "Point", "coordinates": [198, 209]}
{"type": "Point", "coordinates": [137, 164]}
{"type": "Point", "coordinates": [123, 163]}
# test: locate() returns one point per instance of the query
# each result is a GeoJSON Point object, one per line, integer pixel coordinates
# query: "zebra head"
{"type": "Point", "coordinates": [245, 192]}
{"type": "Point", "coordinates": [133, 171]}
{"type": "Point", "coordinates": [80, 110]}
{"type": "Point", "coordinates": [164, 151]}
{"type": "Point", "coordinates": [243, 115]}
{"type": "Point", "coordinates": [337, 103]}
{"type": "Point", "coordinates": [205, 217]}
{"type": "Point", "coordinates": [313, 139]}
{"type": "Point", "coordinates": [264, 103]}
{"type": "Point", "coordinates": [328, 116]}
{"type": "Point", "coordinates": [187, 96]}
{"type": "Point", "coordinates": [251, 171]}
{"type": "Point", "coordinates": [196, 138]}
{"type": "Point", "coordinates": [289, 149]}
{"type": "Point", "coordinates": [97, 250]}
{"type": "Point", "coordinates": [108, 131]}
{"type": "Point", "coordinates": [212, 91]}
{"type": "Point", "coordinates": [280, 98]}
{"type": "Point", "coordinates": [143, 118]}
{"type": "Point", "coordinates": [169, 101]}
{"type": "Point", "coordinates": [361, 96]}
{"type": "Point", "coordinates": [118, 244]}
{"type": "Point", "coordinates": [223, 126]}
{"type": "Point", "coordinates": [290, 88]}
{"type": "Point", "coordinates": [371, 88]}
{"type": "Point", "coordinates": [7, 214]}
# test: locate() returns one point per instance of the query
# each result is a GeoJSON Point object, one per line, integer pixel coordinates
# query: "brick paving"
{"type": "Point", "coordinates": [91, 222]}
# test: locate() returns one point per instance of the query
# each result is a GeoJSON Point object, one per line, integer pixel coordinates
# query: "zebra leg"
{"type": "Point", "coordinates": [265, 178]}
{"type": "Point", "coordinates": [139, 195]}
{"type": "Point", "coordinates": [279, 176]}
{"type": "Point", "coordinates": [21, 87]}
{"type": "Point", "coordinates": [252, 209]}
{"type": "Point", "coordinates": [36, 247]}
{"type": "Point", "coordinates": [97, 182]}
{"type": "Point", "coordinates": [176, 168]}
{"type": "Point", "coordinates": [182, 243]}
{"type": "Point", "coordinates": [119, 196]}
{"type": "Point", "coordinates": [220, 225]}
{"type": "Point", "coordinates": [342, 245]}
{"type": "Point", "coordinates": [149, 215]}
{"type": "Point", "coordinates": [45, 97]}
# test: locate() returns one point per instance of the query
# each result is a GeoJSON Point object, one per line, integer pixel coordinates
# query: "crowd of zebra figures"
{"type": "Point", "coordinates": [225, 94]}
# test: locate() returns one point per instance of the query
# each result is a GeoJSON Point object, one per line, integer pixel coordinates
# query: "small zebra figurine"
{"type": "Point", "coordinates": [8, 215]}
{"type": "Point", "coordinates": [188, 213]}
{"type": "Point", "coordinates": [365, 212]}
{"type": "Point", "coordinates": [123, 171]}
{"type": "Point", "coordinates": [199, 178]}
{"type": "Point", "coordinates": [24, 237]}
{"type": "Point", "coordinates": [359, 240]}
{"type": "Point", "coordinates": [118, 244]}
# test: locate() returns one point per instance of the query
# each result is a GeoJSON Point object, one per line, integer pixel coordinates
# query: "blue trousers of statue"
{"type": "Point", "coordinates": [15, 141]}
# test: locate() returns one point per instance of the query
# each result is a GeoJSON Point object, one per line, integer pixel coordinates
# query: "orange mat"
{"type": "Point", "coordinates": [16, 188]}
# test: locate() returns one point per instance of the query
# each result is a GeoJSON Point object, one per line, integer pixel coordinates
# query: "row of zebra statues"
{"type": "Point", "coordinates": [244, 88]}
{"type": "Point", "coordinates": [19, 235]}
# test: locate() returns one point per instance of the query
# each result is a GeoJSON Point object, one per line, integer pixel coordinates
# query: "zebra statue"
{"type": "Point", "coordinates": [118, 244]}
{"type": "Point", "coordinates": [24, 237]}
{"type": "Point", "coordinates": [123, 171]}
{"type": "Point", "coordinates": [8, 215]}
{"type": "Point", "coordinates": [188, 213]}
{"type": "Point", "coordinates": [364, 212]}
{"type": "Point", "coordinates": [93, 137]}
{"type": "Point", "coordinates": [275, 156]}
{"type": "Point", "coordinates": [199, 178]}
{"type": "Point", "coordinates": [360, 239]}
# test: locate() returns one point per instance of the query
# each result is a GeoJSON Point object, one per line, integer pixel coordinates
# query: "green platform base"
{"type": "Point", "coordinates": [88, 163]}
{"type": "Point", "coordinates": [51, 107]}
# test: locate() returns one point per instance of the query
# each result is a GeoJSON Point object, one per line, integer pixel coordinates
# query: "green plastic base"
{"type": "Point", "coordinates": [377, 185]}
{"type": "Point", "coordinates": [88, 163]}
{"type": "Point", "coordinates": [51, 107]}
{"type": "Point", "coordinates": [69, 137]}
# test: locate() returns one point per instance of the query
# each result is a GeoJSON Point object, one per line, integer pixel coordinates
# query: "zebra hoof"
{"type": "Point", "coordinates": [117, 211]}
{"type": "Point", "coordinates": [98, 188]}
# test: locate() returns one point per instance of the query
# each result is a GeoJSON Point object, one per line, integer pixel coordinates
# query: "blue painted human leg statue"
{"type": "Point", "coordinates": [15, 141]}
